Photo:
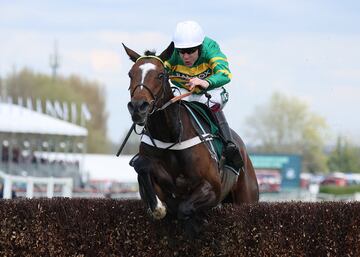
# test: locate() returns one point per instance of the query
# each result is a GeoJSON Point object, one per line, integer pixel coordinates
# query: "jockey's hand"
{"type": "Point", "coordinates": [196, 82]}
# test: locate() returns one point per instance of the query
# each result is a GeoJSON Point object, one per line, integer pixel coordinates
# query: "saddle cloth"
{"type": "Point", "coordinates": [205, 122]}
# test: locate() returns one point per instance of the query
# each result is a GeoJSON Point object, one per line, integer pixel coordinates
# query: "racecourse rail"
{"type": "Point", "coordinates": [108, 227]}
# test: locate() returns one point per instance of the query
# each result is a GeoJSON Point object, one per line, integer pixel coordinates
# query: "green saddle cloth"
{"type": "Point", "coordinates": [206, 121]}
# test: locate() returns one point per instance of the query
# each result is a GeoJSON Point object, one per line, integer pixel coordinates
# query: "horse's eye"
{"type": "Point", "coordinates": [161, 75]}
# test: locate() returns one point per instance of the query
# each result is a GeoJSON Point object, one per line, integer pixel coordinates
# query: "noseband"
{"type": "Point", "coordinates": [163, 75]}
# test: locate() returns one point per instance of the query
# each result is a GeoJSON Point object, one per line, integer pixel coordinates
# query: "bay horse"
{"type": "Point", "coordinates": [177, 173]}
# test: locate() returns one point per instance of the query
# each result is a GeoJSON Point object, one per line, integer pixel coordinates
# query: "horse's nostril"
{"type": "Point", "coordinates": [130, 107]}
{"type": "Point", "coordinates": [143, 107]}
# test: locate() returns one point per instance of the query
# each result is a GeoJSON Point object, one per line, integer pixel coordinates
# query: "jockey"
{"type": "Point", "coordinates": [198, 64]}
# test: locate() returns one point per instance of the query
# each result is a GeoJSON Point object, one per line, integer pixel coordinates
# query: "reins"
{"type": "Point", "coordinates": [165, 76]}
{"type": "Point", "coordinates": [179, 97]}
{"type": "Point", "coordinates": [176, 98]}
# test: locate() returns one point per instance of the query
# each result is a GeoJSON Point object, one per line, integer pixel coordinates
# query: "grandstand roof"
{"type": "Point", "coordinates": [18, 119]}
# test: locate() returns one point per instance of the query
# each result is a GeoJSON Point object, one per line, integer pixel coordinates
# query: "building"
{"type": "Point", "coordinates": [277, 172]}
{"type": "Point", "coordinates": [30, 142]}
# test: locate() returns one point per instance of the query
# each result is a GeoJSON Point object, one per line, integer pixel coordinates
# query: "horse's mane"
{"type": "Point", "coordinates": [149, 52]}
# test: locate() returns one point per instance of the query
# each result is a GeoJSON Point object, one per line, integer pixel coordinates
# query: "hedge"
{"type": "Point", "coordinates": [107, 227]}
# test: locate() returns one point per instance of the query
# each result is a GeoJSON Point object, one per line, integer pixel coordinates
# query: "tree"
{"type": "Point", "coordinates": [345, 157]}
{"type": "Point", "coordinates": [27, 84]}
{"type": "Point", "coordinates": [285, 125]}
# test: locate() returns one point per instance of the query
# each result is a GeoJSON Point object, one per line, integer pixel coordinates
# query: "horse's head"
{"type": "Point", "coordinates": [148, 80]}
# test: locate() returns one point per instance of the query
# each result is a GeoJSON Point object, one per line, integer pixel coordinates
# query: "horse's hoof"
{"type": "Point", "coordinates": [159, 212]}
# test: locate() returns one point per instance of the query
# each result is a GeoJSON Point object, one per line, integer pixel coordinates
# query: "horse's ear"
{"type": "Point", "coordinates": [132, 54]}
{"type": "Point", "coordinates": [167, 52]}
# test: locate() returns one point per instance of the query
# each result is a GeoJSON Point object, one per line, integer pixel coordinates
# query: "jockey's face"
{"type": "Point", "coordinates": [189, 57]}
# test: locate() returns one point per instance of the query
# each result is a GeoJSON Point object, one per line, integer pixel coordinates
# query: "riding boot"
{"type": "Point", "coordinates": [231, 151]}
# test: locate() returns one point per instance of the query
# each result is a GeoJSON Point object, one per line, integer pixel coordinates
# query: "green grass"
{"type": "Point", "coordinates": [340, 190]}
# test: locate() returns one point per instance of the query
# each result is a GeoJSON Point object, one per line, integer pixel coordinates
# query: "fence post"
{"type": "Point", "coordinates": [357, 196]}
{"type": "Point", "coordinates": [50, 187]}
{"type": "Point", "coordinates": [29, 187]}
{"type": "Point", "coordinates": [7, 187]}
{"type": "Point", "coordinates": [67, 188]}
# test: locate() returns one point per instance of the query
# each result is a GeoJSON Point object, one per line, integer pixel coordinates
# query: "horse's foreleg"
{"type": "Point", "coordinates": [144, 167]}
{"type": "Point", "coordinates": [146, 189]}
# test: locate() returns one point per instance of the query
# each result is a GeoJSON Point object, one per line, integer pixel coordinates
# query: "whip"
{"type": "Point", "coordinates": [126, 139]}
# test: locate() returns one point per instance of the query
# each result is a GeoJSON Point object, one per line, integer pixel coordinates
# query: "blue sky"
{"type": "Point", "coordinates": [308, 49]}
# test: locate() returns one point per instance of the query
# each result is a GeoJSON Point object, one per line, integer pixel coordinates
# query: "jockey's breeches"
{"type": "Point", "coordinates": [218, 97]}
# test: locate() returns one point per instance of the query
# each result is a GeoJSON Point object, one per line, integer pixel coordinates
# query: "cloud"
{"type": "Point", "coordinates": [105, 61]}
{"type": "Point", "coordinates": [149, 37]}
{"type": "Point", "coordinates": [321, 69]}
{"type": "Point", "coordinates": [95, 55]}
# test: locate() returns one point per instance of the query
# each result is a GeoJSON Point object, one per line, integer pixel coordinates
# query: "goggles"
{"type": "Point", "coordinates": [187, 50]}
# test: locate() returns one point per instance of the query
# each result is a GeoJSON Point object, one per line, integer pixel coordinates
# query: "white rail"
{"type": "Point", "coordinates": [50, 182]}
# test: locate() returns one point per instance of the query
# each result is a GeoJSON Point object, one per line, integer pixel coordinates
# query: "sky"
{"type": "Point", "coordinates": [309, 49]}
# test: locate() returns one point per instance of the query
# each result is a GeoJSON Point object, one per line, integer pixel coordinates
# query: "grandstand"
{"type": "Point", "coordinates": [40, 154]}
{"type": "Point", "coordinates": [36, 145]}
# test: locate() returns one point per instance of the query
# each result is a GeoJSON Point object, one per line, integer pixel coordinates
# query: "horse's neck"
{"type": "Point", "coordinates": [164, 125]}
{"type": "Point", "coordinates": [170, 124]}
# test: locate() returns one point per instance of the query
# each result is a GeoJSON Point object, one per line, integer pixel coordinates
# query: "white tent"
{"type": "Point", "coordinates": [17, 119]}
{"type": "Point", "coordinates": [109, 167]}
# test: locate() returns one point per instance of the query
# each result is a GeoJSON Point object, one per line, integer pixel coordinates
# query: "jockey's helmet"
{"type": "Point", "coordinates": [188, 34]}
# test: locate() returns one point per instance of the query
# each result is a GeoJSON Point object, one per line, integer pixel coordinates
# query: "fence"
{"type": "Point", "coordinates": [105, 227]}
{"type": "Point", "coordinates": [50, 182]}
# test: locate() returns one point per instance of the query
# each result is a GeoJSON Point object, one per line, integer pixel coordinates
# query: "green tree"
{"type": "Point", "coordinates": [286, 125]}
{"type": "Point", "coordinates": [27, 84]}
{"type": "Point", "coordinates": [345, 157]}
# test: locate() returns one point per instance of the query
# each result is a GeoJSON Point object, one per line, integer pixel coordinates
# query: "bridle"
{"type": "Point", "coordinates": [164, 76]}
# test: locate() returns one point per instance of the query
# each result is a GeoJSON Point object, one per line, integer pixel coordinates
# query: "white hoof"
{"type": "Point", "coordinates": [159, 213]}
{"type": "Point", "coordinates": [160, 210]}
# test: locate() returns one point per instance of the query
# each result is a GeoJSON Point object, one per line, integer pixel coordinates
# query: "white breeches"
{"type": "Point", "coordinates": [217, 97]}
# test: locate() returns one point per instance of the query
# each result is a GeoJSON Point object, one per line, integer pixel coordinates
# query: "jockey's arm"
{"type": "Point", "coordinates": [194, 82]}
{"type": "Point", "coordinates": [221, 73]}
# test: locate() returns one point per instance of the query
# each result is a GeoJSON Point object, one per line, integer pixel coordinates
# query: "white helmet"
{"type": "Point", "coordinates": [188, 34]}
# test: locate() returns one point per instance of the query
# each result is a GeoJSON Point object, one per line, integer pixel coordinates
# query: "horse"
{"type": "Point", "coordinates": [175, 176]}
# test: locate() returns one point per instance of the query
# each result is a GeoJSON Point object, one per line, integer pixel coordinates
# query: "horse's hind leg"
{"type": "Point", "coordinates": [202, 198]}
{"type": "Point", "coordinates": [246, 189]}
